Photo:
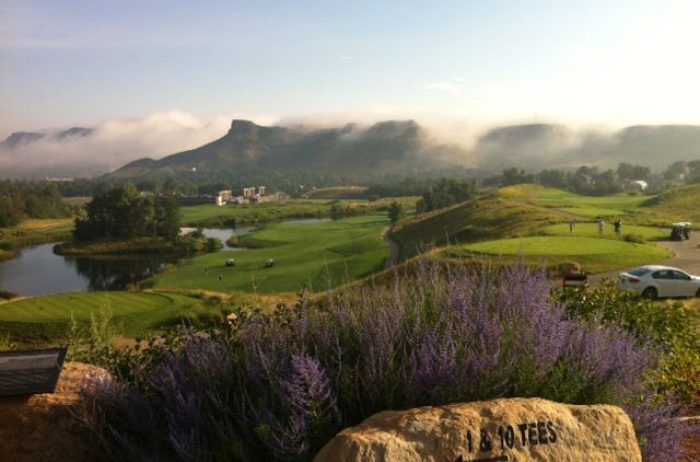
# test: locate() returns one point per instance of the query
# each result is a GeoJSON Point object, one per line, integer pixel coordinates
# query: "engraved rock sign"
{"type": "Point", "coordinates": [504, 430]}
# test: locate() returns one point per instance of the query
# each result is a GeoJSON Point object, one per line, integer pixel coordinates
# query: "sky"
{"type": "Point", "coordinates": [85, 62]}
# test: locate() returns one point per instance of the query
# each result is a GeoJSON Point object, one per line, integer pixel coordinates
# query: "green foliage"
{"type": "Point", "coordinates": [20, 200]}
{"type": "Point", "coordinates": [7, 295]}
{"type": "Point", "coordinates": [394, 212]}
{"type": "Point", "coordinates": [337, 211]}
{"type": "Point", "coordinates": [666, 325]}
{"type": "Point", "coordinates": [445, 193]}
{"type": "Point", "coordinates": [122, 213]}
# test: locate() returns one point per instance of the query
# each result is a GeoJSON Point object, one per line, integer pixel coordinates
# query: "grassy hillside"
{"type": "Point", "coordinates": [485, 218]}
{"type": "Point", "coordinates": [134, 313]}
{"type": "Point", "coordinates": [500, 217]}
{"type": "Point", "coordinates": [574, 204]}
{"type": "Point", "coordinates": [681, 204]}
{"type": "Point", "coordinates": [314, 255]}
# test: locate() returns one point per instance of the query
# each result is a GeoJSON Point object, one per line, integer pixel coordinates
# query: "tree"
{"type": "Point", "coordinates": [394, 212]}
{"type": "Point", "coordinates": [121, 213]}
{"type": "Point", "coordinates": [337, 211]}
{"type": "Point", "coordinates": [445, 193]}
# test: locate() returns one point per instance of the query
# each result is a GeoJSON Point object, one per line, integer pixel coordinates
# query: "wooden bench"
{"type": "Point", "coordinates": [574, 280]}
{"type": "Point", "coordinates": [29, 372]}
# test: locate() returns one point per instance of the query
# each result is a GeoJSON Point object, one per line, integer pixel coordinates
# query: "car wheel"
{"type": "Point", "coordinates": [650, 293]}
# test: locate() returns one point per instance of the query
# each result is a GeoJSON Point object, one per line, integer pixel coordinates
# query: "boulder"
{"type": "Point", "coordinates": [42, 427]}
{"type": "Point", "coordinates": [503, 430]}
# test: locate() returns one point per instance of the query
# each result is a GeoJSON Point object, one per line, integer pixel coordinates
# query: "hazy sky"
{"type": "Point", "coordinates": [79, 62]}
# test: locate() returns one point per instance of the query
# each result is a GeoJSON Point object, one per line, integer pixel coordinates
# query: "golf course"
{"type": "Point", "coordinates": [307, 255]}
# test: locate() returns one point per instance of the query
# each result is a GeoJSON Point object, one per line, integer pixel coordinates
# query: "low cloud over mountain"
{"type": "Point", "coordinates": [94, 151]}
{"type": "Point", "coordinates": [332, 147]}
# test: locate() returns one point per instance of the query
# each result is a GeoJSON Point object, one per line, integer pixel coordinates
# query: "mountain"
{"type": "Point", "coordinates": [247, 148]}
{"type": "Point", "coordinates": [545, 146]}
{"type": "Point", "coordinates": [75, 132]}
{"type": "Point", "coordinates": [20, 138]}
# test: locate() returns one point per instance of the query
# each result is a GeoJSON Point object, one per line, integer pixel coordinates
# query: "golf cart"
{"type": "Point", "coordinates": [680, 231]}
{"type": "Point", "coordinates": [230, 262]}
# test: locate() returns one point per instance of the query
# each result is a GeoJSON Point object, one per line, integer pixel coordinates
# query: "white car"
{"type": "Point", "coordinates": [660, 281]}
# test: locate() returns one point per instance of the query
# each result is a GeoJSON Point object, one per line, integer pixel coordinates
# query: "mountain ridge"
{"type": "Point", "coordinates": [389, 146]}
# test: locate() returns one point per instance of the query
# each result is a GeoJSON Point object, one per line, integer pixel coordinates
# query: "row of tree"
{"type": "Point", "coordinates": [593, 181]}
{"type": "Point", "coordinates": [446, 192]}
{"type": "Point", "coordinates": [123, 213]}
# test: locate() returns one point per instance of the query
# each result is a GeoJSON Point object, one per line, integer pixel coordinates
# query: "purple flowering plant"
{"type": "Point", "coordinates": [278, 387]}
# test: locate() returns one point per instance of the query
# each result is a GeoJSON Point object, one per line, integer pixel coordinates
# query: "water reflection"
{"type": "Point", "coordinates": [118, 273]}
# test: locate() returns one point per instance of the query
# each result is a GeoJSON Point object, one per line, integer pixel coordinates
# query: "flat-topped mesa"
{"type": "Point", "coordinates": [243, 128]}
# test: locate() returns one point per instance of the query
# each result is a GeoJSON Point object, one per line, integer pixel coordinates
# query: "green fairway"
{"type": "Point", "coordinates": [313, 255]}
{"type": "Point", "coordinates": [594, 254]}
{"type": "Point", "coordinates": [575, 204]}
{"type": "Point", "coordinates": [133, 313]}
{"type": "Point", "coordinates": [215, 216]}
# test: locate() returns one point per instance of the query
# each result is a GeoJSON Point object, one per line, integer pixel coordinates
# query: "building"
{"type": "Point", "coordinates": [249, 193]}
{"type": "Point", "coordinates": [224, 197]}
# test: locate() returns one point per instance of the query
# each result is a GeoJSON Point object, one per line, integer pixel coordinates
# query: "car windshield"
{"type": "Point", "coordinates": [639, 271]}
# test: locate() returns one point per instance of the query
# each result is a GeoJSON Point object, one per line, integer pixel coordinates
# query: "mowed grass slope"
{"type": "Point", "coordinates": [134, 313]}
{"type": "Point", "coordinates": [594, 254]}
{"type": "Point", "coordinates": [307, 255]}
{"type": "Point", "coordinates": [532, 221]}
{"type": "Point", "coordinates": [681, 204]}
{"type": "Point", "coordinates": [484, 218]}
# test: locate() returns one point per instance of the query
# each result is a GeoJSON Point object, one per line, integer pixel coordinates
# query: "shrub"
{"type": "Point", "coordinates": [278, 387]}
{"type": "Point", "coordinates": [7, 295]}
{"type": "Point", "coordinates": [665, 325]}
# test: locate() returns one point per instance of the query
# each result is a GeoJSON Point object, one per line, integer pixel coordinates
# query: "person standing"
{"type": "Point", "coordinates": [572, 225]}
{"type": "Point", "coordinates": [601, 227]}
{"type": "Point", "coordinates": [618, 227]}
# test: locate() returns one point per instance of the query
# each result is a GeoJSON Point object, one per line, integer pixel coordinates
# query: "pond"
{"type": "Point", "coordinates": [39, 271]}
{"type": "Point", "coordinates": [222, 234]}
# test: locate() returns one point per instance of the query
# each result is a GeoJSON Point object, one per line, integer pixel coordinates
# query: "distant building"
{"type": "Point", "coordinates": [224, 197]}
{"type": "Point", "coordinates": [249, 193]}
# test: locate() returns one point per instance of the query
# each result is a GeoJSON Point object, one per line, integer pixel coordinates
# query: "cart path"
{"type": "Point", "coordinates": [687, 258]}
{"type": "Point", "coordinates": [393, 256]}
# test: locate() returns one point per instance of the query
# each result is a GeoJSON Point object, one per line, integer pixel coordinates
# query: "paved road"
{"type": "Point", "coordinates": [687, 258]}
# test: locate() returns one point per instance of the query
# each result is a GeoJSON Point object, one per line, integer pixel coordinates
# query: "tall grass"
{"type": "Point", "coordinates": [279, 387]}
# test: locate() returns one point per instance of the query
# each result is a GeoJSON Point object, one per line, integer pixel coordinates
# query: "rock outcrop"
{"type": "Point", "coordinates": [42, 428]}
{"type": "Point", "coordinates": [505, 430]}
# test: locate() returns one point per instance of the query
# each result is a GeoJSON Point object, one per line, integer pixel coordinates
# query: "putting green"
{"type": "Point", "coordinates": [594, 254]}
{"type": "Point", "coordinates": [133, 313]}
